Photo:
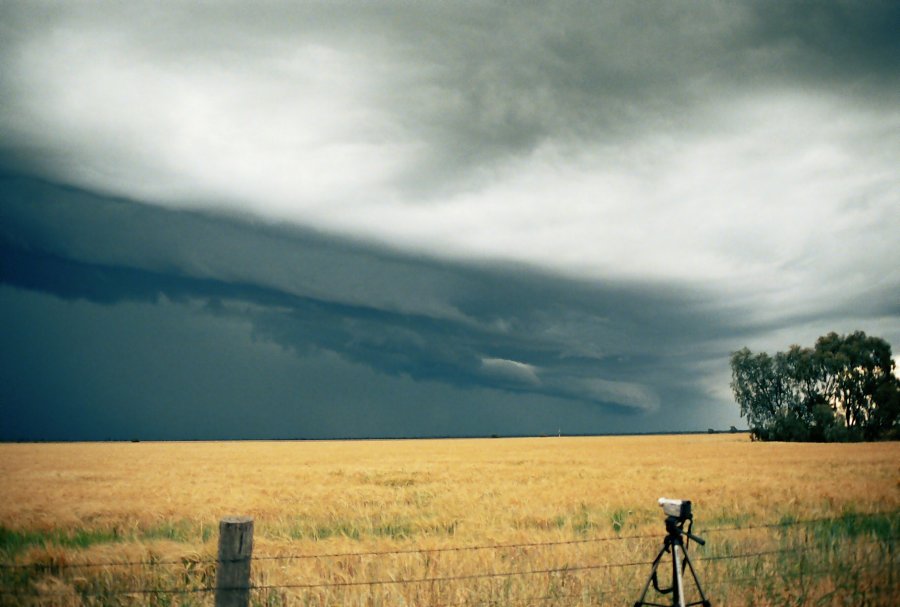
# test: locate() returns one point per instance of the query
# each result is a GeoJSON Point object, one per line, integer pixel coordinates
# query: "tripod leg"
{"type": "Point", "coordinates": [677, 580]}
{"type": "Point", "coordinates": [653, 568]}
{"type": "Point", "coordinates": [705, 601]}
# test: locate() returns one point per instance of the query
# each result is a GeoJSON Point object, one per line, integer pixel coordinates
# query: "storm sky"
{"type": "Point", "coordinates": [385, 219]}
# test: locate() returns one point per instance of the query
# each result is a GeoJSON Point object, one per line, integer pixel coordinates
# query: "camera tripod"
{"type": "Point", "coordinates": [676, 546]}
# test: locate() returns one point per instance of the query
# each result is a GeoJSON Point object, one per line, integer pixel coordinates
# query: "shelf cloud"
{"type": "Point", "coordinates": [546, 213]}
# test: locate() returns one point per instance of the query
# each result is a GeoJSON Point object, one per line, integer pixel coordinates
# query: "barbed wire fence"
{"type": "Point", "coordinates": [885, 569]}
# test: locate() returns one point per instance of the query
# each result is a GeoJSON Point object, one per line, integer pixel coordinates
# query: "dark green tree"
{"type": "Point", "coordinates": [842, 389]}
{"type": "Point", "coordinates": [857, 367]}
{"type": "Point", "coordinates": [886, 420]}
{"type": "Point", "coordinates": [767, 393]}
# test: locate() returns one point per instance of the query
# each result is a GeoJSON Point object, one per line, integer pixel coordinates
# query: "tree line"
{"type": "Point", "coordinates": [841, 389]}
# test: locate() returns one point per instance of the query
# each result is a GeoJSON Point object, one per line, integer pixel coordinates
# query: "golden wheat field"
{"type": "Point", "coordinates": [534, 521]}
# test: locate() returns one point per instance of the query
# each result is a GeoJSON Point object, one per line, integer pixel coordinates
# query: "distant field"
{"type": "Point", "coordinates": [821, 520]}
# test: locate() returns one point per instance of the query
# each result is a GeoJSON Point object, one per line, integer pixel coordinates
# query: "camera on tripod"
{"type": "Point", "coordinates": [678, 516]}
{"type": "Point", "coordinates": [680, 509]}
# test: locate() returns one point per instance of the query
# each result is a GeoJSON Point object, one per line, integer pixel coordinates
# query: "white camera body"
{"type": "Point", "coordinates": [676, 508]}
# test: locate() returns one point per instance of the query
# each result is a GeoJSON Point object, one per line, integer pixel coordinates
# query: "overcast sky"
{"type": "Point", "coordinates": [361, 219]}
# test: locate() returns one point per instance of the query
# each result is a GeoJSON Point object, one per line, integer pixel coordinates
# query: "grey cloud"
{"type": "Point", "coordinates": [460, 99]}
{"type": "Point", "coordinates": [64, 222]}
{"type": "Point", "coordinates": [593, 74]}
{"type": "Point", "coordinates": [508, 329]}
{"type": "Point", "coordinates": [849, 42]}
{"type": "Point", "coordinates": [617, 139]}
{"type": "Point", "coordinates": [479, 83]}
{"type": "Point", "coordinates": [83, 371]}
{"type": "Point", "coordinates": [636, 395]}
{"type": "Point", "coordinates": [507, 338]}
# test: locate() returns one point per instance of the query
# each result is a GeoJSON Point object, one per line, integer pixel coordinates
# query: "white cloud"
{"type": "Point", "coordinates": [784, 197]}
{"type": "Point", "coordinates": [626, 394]}
{"type": "Point", "coordinates": [283, 136]}
{"type": "Point", "coordinates": [511, 370]}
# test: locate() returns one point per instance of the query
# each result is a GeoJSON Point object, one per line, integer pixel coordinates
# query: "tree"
{"type": "Point", "coordinates": [751, 382]}
{"type": "Point", "coordinates": [800, 364]}
{"type": "Point", "coordinates": [858, 368]}
{"type": "Point", "coordinates": [884, 422]}
{"type": "Point", "coordinates": [842, 389]}
{"type": "Point", "coordinates": [764, 389]}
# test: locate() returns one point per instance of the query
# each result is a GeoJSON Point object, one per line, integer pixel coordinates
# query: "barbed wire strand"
{"type": "Point", "coordinates": [533, 571]}
{"type": "Point", "coordinates": [785, 524]}
{"type": "Point", "coordinates": [541, 544]}
{"type": "Point", "coordinates": [589, 594]}
{"type": "Point", "coordinates": [523, 545]}
{"type": "Point", "coordinates": [456, 548]}
{"type": "Point", "coordinates": [189, 561]}
{"type": "Point", "coordinates": [410, 581]}
{"type": "Point", "coordinates": [455, 578]}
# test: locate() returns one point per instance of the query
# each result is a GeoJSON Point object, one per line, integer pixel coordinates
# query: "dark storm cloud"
{"type": "Point", "coordinates": [578, 207]}
{"type": "Point", "coordinates": [854, 43]}
{"type": "Point", "coordinates": [615, 346]}
{"type": "Point", "coordinates": [170, 370]}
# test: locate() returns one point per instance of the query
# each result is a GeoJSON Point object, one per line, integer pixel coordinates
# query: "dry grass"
{"type": "Point", "coordinates": [76, 503]}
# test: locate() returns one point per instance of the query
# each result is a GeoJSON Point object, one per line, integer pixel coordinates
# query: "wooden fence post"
{"type": "Point", "coordinates": [235, 553]}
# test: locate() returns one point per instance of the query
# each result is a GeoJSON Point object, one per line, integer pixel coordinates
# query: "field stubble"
{"type": "Point", "coordinates": [71, 504]}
